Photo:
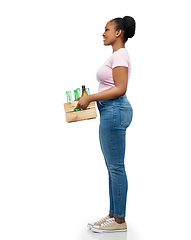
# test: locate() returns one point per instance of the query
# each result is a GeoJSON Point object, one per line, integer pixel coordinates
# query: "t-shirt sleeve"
{"type": "Point", "coordinates": [120, 58]}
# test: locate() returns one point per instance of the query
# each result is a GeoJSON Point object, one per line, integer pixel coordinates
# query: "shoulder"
{"type": "Point", "coordinates": [122, 52]}
{"type": "Point", "coordinates": [120, 58]}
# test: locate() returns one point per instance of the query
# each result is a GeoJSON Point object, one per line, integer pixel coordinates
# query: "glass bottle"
{"type": "Point", "coordinates": [88, 91]}
{"type": "Point", "coordinates": [84, 93]}
{"type": "Point", "coordinates": [69, 96]}
{"type": "Point", "coordinates": [78, 92]}
{"type": "Point", "coordinates": [76, 95]}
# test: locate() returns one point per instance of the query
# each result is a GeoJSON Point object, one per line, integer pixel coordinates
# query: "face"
{"type": "Point", "coordinates": [109, 36]}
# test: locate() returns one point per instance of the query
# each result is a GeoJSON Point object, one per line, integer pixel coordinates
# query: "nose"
{"type": "Point", "coordinates": [103, 34]}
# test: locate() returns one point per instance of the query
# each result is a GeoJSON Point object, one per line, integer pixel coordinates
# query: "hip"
{"type": "Point", "coordinates": [116, 112]}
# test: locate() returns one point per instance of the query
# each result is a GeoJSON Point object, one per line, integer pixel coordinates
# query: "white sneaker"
{"type": "Point", "coordinates": [99, 222]}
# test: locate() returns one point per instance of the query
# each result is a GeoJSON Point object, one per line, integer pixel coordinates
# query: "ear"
{"type": "Point", "coordinates": [118, 33]}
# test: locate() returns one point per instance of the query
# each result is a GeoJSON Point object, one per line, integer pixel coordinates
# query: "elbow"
{"type": "Point", "coordinates": [121, 89]}
{"type": "Point", "coordinates": [121, 92]}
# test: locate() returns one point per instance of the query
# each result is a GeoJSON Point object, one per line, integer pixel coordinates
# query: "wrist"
{"type": "Point", "coordinates": [90, 97]}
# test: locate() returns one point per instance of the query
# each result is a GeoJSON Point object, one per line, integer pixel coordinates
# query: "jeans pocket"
{"type": "Point", "coordinates": [126, 116]}
{"type": "Point", "coordinates": [106, 103]}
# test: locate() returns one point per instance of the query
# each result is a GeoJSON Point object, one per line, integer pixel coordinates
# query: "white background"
{"type": "Point", "coordinates": [53, 179]}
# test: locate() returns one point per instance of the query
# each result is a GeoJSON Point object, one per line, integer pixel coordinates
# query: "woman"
{"type": "Point", "coordinates": [115, 116]}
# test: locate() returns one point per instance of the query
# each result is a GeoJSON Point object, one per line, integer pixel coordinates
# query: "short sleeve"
{"type": "Point", "coordinates": [120, 58]}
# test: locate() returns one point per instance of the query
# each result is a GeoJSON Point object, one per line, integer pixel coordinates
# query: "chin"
{"type": "Point", "coordinates": [106, 44]}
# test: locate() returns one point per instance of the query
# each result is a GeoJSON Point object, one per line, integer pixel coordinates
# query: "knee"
{"type": "Point", "coordinates": [116, 170]}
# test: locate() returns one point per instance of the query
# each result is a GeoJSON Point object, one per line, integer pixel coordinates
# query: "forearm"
{"type": "Point", "coordinates": [111, 93]}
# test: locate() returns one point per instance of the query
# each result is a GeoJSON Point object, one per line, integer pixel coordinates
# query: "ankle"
{"type": "Point", "coordinates": [119, 220]}
{"type": "Point", "coordinates": [111, 215]}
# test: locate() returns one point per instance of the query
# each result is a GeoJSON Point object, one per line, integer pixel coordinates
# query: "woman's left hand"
{"type": "Point", "coordinates": [83, 102]}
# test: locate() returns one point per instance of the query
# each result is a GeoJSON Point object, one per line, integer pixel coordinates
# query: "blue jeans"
{"type": "Point", "coordinates": [115, 117]}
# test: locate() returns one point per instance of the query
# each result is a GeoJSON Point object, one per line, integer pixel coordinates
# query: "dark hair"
{"type": "Point", "coordinates": [126, 24]}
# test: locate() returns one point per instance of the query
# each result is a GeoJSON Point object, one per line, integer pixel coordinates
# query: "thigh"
{"type": "Point", "coordinates": [112, 141]}
{"type": "Point", "coordinates": [115, 117]}
{"type": "Point", "coordinates": [106, 131]}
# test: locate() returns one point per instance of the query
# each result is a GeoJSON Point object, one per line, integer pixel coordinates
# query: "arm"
{"type": "Point", "coordinates": [120, 77]}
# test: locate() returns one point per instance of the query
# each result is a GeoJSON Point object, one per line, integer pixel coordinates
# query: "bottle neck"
{"type": "Point", "coordinates": [84, 93]}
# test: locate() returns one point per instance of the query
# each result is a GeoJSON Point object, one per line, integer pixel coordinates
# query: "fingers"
{"type": "Point", "coordinates": [78, 106]}
{"type": "Point", "coordinates": [82, 103]}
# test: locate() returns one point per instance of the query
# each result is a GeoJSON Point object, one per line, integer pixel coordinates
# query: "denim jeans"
{"type": "Point", "coordinates": [115, 117]}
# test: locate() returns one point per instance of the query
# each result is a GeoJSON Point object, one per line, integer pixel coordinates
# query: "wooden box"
{"type": "Point", "coordinates": [72, 116]}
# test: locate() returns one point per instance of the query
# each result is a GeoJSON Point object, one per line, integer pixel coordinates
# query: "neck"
{"type": "Point", "coordinates": [117, 45]}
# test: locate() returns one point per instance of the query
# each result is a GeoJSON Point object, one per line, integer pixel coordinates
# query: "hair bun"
{"type": "Point", "coordinates": [129, 23]}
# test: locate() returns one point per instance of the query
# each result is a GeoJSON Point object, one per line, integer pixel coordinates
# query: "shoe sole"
{"type": "Point", "coordinates": [89, 225]}
{"type": "Point", "coordinates": [97, 230]}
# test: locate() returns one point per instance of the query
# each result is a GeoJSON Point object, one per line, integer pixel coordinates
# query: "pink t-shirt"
{"type": "Point", "coordinates": [104, 73]}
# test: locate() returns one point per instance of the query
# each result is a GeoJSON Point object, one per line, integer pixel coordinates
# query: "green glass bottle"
{"type": "Point", "coordinates": [76, 95]}
{"type": "Point", "coordinates": [78, 92]}
{"type": "Point", "coordinates": [88, 91]}
{"type": "Point", "coordinates": [69, 96]}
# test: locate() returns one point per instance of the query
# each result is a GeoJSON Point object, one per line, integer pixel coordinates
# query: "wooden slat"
{"type": "Point", "coordinates": [81, 115]}
{"type": "Point", "coordinates": [71, 105]}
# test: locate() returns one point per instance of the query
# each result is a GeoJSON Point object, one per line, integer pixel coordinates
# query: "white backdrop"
{"type": "Point", "coordinates": [53, 178]}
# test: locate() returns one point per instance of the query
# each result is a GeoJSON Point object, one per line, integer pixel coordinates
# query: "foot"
{"type": "Point", "coordinates": [99, 222]}
{"type": "Point", "coordinates": [110, 226]}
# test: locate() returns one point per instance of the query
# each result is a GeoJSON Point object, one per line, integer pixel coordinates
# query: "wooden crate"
{"type": "Point", "coordinates": [72, 116]}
